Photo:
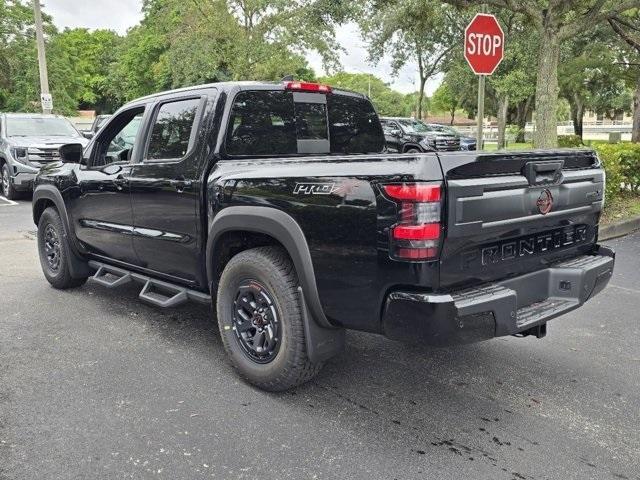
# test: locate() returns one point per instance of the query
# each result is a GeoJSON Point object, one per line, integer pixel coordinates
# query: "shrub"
{"type": "Point", "coordinates": [630, 166]}
{"type": "Point", "coordinates": [569, 141]}
{"type": "Point", "coordinates": [621, 162]}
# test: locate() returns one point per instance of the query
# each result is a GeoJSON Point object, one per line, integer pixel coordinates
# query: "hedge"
{"type": "Point", "coordinates": [621, 162]}
{"type": "Point", "coordinates": [569, 141]}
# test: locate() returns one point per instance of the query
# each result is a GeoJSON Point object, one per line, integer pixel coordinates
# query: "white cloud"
{"type": "Point", "coordinates": [120, 15]}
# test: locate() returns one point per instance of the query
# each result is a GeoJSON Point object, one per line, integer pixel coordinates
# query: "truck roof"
{"type": "Point", "coordinates": [227, 86]}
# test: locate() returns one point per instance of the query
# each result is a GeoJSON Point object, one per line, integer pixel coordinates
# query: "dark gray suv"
{"type": "Point", "coordinates": [28, 141]}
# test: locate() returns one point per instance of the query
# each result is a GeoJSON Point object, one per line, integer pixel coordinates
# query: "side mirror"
{"type": "Point", "coordinates": [88, 134]}
{"type": "Point", "coordinates": [71, 153]}
{"type": "Point", "coordinates": [396, 133]}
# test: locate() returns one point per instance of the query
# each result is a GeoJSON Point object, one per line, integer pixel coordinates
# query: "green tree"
{"type": "Point", "coordinates": [423, 32]}
{"type": "Point", "coordinates": [627, 27]}
{"type": "Point", "coordinates": [182, 43]}
{"type": "Point", "coordinates": [91, 56]}
{"type": "Point", "coordinates": [445, 100]}
{"type": "Point", "coordinates": [19, 79]}
{"type": "Point", "coordinates": [514, 80]}
{"type": "Point", "coordinates": [555, 22]}
{"type": "Point", "coordinates": [387, 101]}
{"type": "Point", "coordinates": [584, 83]}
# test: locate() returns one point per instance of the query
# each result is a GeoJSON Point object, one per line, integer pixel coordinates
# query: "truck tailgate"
{"type": "Point", "coordinates": [513, 213]}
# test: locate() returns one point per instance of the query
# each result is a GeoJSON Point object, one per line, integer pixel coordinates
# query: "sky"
{"type": "Point", "coordinates": [119, 15]}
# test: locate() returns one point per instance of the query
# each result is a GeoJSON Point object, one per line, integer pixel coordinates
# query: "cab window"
{"type": "Point", "coordinates": [172, 133]}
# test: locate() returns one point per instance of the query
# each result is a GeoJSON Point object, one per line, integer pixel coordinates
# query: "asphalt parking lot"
{"type": "Point", "coordinates": [95, 384]}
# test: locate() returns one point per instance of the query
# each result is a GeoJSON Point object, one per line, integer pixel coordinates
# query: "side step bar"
{"type": "Point", "coordinates": [156, 292]}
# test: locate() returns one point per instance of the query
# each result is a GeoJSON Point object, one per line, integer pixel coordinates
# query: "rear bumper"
{"type": "Point", "coordinates": [497, 309]}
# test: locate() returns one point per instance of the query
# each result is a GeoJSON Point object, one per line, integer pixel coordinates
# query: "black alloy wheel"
{"type": "Point", "coordinates": [255, 322]}
{"type": "Point", "coordinates": [54, 251]}
{"type": "Point", "coordinates": [261, 319]}
{"type": "Point", "coordinates": [52, 248]}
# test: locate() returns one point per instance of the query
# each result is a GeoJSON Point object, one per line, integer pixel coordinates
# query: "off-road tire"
{"type": "Point", "coordinates": [272, 268]}
{"type": "Point", "coordinates": [59, 277]}
{"type": "Point", "coordinates": [412, 150]}
{"type": "Point", "coordinates": [8, 190]}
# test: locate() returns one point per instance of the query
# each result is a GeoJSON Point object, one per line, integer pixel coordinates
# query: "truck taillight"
{"type": "Point", "coordinates": [307, 87]}
{"type": "Point", "coordinates": [416, 236]}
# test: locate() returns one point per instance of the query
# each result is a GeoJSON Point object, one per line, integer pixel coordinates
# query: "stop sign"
{"type": "Point", "coordinates": [484, 44]}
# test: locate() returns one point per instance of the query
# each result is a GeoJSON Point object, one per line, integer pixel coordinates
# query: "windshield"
{"type": "Point", "coordinates": [45, 127]}
{"type": "Point", "coordinates": [414, 126]}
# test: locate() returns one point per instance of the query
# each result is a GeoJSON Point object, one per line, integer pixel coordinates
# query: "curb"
{"type": "Point", "coordinates": [619, 229]}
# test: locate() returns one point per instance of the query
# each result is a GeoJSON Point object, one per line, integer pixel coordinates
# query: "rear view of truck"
{"type": "Point", "coordinates": [435, 248]}
{"type": "Point", "coordinates": [516, 246]}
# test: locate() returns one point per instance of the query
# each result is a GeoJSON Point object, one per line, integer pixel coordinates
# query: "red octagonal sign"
{"type": "Point", "coordinates": [484, 44]}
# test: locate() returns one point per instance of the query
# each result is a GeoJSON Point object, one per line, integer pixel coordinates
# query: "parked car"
{"type": "Point", "coordinates": [466, 142]}
{"type": "Point", "coordinates": [98, 122]}
{"type": "Point", "coordinates": [28, 141]}
{"type": "Point", "coordinates": [274, 202]}
{"type": "Point", "coordinates": [407, 135]}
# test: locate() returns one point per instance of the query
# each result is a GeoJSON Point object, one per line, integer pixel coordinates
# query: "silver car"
{"type": "Point", "coordinates": [28, 141]}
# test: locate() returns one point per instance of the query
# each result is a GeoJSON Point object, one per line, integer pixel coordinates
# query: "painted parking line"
{"type": "Point", "coordinates": [4, 202]}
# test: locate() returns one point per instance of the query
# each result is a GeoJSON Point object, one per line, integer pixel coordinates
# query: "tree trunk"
{"type": "Point", "coordinates": [423, 81]}
{"type": "Point", "coordinates": [503, 108]}
{"type": "Point", "coordinates": [453, 116]}
{"type": "Point", "coordinates": [635, 132]}
{"type": "Point", "coordinates": [577, 114]}
{"type": "Point", "coordinates": [522, 114]}
{"type": "Point", "coordinates": [546, 134]}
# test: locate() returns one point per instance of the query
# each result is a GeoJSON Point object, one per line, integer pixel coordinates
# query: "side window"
{"type": "Point", "coordinates": [262, 123]}
{"type": "Point", "coordinates": [118, 139]}
{"type": "Point", "coordinates": [172, 130]}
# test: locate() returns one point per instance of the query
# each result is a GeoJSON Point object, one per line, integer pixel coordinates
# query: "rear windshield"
{"type": "Point", "coordinates": [285, 123]}
{"type": "Point", "coordinates": [34, 126]}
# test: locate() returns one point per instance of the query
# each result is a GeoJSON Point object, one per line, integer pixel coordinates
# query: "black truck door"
{"type": "Point", "coordinates": [165, 188]}
{"type": "Point", "coordinates": [102, 208]}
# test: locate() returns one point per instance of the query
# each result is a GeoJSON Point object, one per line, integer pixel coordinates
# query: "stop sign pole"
{"type": "Point", "coordinates": [483, 50]}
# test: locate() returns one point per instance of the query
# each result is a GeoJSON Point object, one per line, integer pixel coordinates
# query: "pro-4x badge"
{"type": "Point", "coordinates": [315, 189]}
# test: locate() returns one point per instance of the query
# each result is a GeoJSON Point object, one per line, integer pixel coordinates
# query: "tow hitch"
{"type": "Point", "coordinates": [540, 331]}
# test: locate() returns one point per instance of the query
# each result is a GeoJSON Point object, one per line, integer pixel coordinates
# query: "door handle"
{"type": "Point", "coordinates": [180, 184]}
{"type": "Point", "coordinates": [120, 182]}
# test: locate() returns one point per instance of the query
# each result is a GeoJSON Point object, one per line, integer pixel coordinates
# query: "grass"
{"type": "Point", "coordinates": [622, 208]}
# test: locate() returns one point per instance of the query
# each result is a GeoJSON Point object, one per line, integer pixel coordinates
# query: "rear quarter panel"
{"type": "Point", "coordinates": [336, 202]}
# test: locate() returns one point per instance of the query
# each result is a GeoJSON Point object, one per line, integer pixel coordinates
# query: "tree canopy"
{"type": "Point", "coordinates": [561, 56]}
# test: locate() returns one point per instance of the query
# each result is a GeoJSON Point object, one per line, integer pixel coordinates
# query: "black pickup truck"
{"type": "Point", "coordinates": [275, 203]}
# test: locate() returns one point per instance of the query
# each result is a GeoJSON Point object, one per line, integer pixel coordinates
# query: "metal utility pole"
{"type": "Point", "coordinates": [45, 96]}
{"type": "Point", "coordinates": [481, 89]}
